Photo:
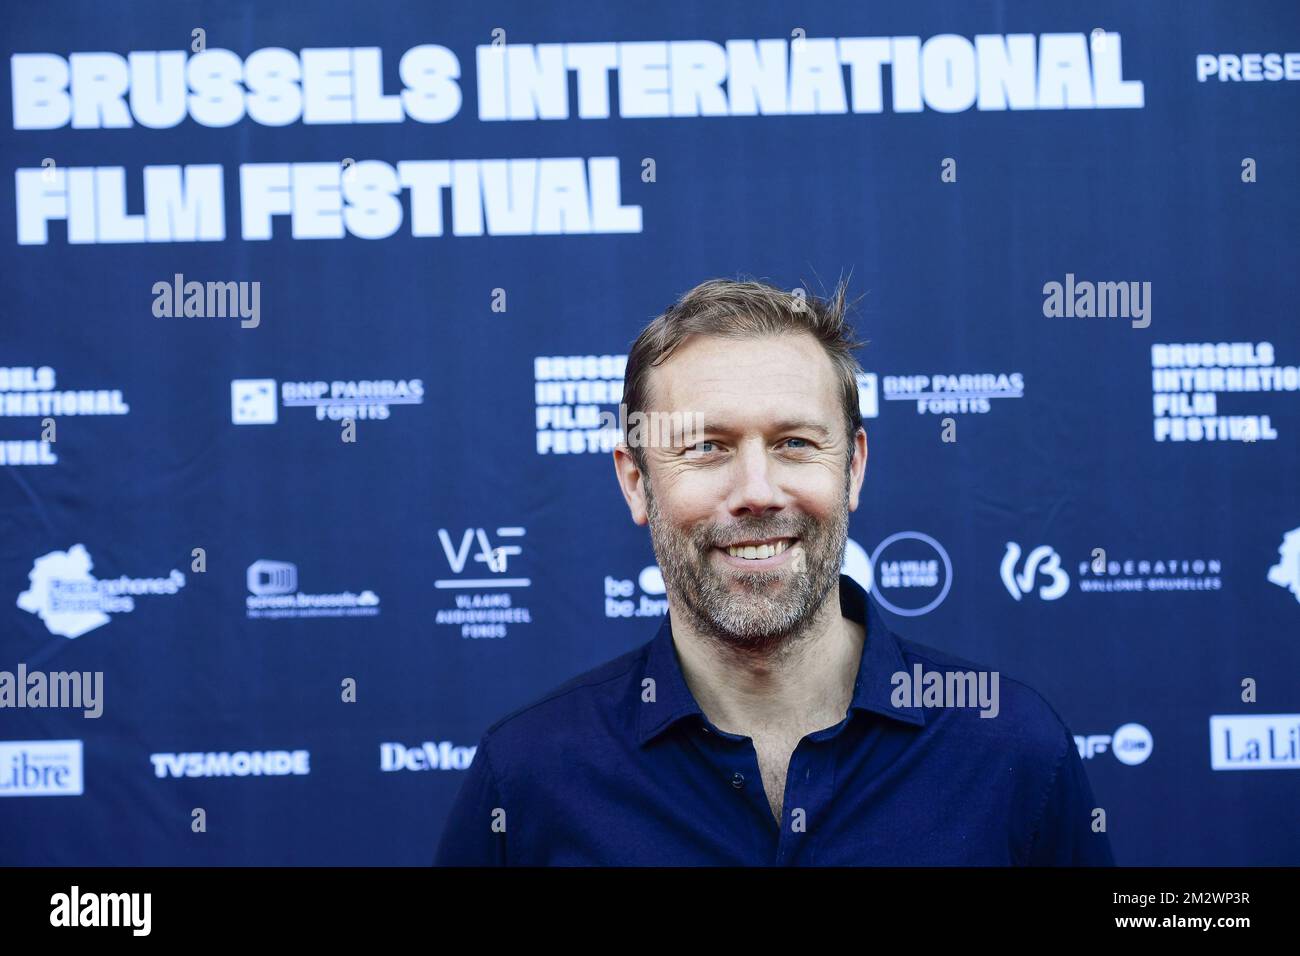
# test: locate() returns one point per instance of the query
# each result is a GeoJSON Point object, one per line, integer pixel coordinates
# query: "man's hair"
{"type": "Point", "coordinates": [724, 308]}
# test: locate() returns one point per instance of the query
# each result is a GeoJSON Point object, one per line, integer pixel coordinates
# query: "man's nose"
{"type": "Point", "coordinates": [754, 490]}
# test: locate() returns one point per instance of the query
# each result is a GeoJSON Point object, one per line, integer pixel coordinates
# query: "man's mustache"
{"type": "Point", "coordinates": [721, 538]}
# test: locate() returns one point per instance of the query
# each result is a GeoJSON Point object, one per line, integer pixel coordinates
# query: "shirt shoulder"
{"type": "Point", "coordinates": [1026, 754]}
{"type": "Point", "coordinates": [587, 713]}
{"type": "Point", "coordinates": [1021, 720]}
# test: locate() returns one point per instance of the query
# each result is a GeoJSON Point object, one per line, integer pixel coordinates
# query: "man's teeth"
{"type": "Point", "coordinates": [757, 551]}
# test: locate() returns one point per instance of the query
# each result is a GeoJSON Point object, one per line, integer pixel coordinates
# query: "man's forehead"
{"type": "Point", "coordinates": [713, 372]}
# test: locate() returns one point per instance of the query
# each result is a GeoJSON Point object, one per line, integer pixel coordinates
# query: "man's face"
{"type": "Point", "coordinates": [749, 518]}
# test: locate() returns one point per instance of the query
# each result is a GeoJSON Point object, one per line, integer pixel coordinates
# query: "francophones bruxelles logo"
{"type": "Point", "coordinates": [71, 601]}
{"type": "Point", "coordinates": [273, 593]}
{"type": "Point", "coordinates": [1286, 573]}
{"type": "Point", "coordinates": [482, 573]}
{"type": "Point", "coordinates": [253, 401]}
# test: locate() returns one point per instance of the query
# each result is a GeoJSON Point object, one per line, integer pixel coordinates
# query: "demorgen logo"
{"type": "Point", "coordinates": [1042, 558]}
{"type": "Point", "coordinates": [430, 755]}
{"type": "Point", "coordinates": [1286, 573]}
{"type": "Point", "coordinates": [272, 577]}
{"type": "Point", "coordinates": [40, 768]}
{"type": "Point", "coordinates": [71, 601]}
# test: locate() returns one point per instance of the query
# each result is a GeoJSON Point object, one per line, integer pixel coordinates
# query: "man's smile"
{"type": "Point", "coordinates": [758, 553]}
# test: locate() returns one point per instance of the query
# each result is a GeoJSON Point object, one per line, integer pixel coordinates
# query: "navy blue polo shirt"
{"type": "Point", "coordinates": [620, 767]}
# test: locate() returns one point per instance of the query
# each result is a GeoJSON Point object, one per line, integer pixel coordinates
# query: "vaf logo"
{"type": "Point", "coordinates": [1286, 573]}
{"type": "Point", "coordinates": [1041, 558]}
{"type": "Point", "coordinates": [495, 558]}
{"type": "Point", "coordinates": [482, 614]}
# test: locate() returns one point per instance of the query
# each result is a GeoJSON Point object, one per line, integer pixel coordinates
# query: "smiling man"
{"type": "Point", "coordinates": [764, 724]}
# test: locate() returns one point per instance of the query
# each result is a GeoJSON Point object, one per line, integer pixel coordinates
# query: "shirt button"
{"type": "Point", "coordinates": [737, 779]}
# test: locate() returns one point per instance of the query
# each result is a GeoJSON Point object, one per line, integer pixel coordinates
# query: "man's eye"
{"type": "Point", "coordinates": [700, 448]}
{"type": "Point", "coordinates": [804, 440]}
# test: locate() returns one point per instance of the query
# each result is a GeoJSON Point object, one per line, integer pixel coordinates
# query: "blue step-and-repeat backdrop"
{"type": "Point", "coordinates": [314, 320]}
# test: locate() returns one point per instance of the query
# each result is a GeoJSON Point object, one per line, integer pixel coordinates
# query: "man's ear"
{"type": "Point", "coordinates": [859, 467]}
{"type": "Point", "coordinates": [631, 482]}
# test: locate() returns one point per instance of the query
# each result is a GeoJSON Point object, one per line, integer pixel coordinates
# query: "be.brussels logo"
{"type": "Point", "coordinates": [72, 602]}
{"type": "Point", "coordinates": [1255, 742]}
{"type": "Point", "coordinates": [644, 597]}
{"type": "Point", "coordinates": [481, 573]}
{"type": "Point", "coordinates": [41, 768]}
{"type": "Point", "coordinates": [1130, 743]}
{"type": "Point", "coordinates": [1286, 573]}
{"type": "Point", "coordinates": [273, 593]}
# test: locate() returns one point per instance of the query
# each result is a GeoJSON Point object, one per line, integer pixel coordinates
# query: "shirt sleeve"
{"type": "Point", "coordinates": [474, 834]}
{"type": "Point", "coordinates": [1065, 835]}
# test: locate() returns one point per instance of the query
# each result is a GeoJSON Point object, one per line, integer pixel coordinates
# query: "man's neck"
{"type": "Point", "coordinates": [803, 686]}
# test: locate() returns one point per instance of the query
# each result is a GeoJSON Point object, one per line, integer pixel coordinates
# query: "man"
{"type": "Point", "coordinates": [764, 724]}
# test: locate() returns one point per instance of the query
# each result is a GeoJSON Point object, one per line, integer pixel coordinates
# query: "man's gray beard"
{"type": "Point", "coordinates": [756, 619]}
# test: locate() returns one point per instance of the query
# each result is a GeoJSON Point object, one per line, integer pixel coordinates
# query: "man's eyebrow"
{"type": "Point", "coordinates": [789, 425]}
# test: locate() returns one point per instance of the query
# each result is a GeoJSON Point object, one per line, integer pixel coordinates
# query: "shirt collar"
{"type": "Point", "coordinates": [881, 659]}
